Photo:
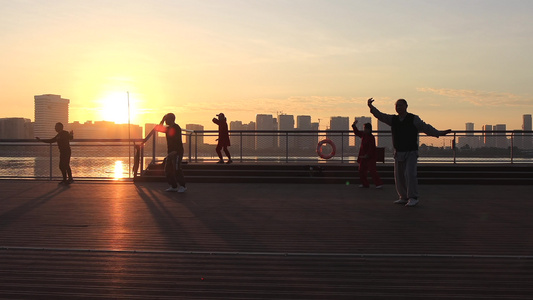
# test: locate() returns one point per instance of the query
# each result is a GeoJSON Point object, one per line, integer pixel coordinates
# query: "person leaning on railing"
{"type": "Point", "coordinates": [405, 128]}
{"type": "Point", "coordinates": [63, 139]}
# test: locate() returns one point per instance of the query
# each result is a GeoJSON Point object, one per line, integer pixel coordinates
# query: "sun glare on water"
{"type": "Point", "coordinates": [119, 171]}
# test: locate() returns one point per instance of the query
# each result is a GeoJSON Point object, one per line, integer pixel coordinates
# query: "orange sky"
{"type": "Point", "coordinates": [455, 62]}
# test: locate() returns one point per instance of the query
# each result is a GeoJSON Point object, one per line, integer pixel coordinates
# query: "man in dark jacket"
{"type": "Point", "coordinates": [405, 128]}
{"type": "Point", "coordinates": [173, 169]}
{"type": "Point", "coordinates": [63, 139]}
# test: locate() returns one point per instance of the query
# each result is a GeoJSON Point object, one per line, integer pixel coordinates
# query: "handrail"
{"type": "Point", "coordinates": [517, 146]}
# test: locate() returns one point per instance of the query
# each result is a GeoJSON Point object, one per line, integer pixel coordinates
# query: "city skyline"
{"type": "Point", "coordinates": [453, 61]}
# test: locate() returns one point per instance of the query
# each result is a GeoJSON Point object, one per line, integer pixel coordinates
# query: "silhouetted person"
{"type": "Point", "coordinates": [405, 128]}
{"type": "Point", "coordinates": [223, 138]}
{"type": "Point", "coordinates": [367, 156]}
{"type": "Point", "coordinates": [173, 169]}
{"type": "Point", "coordinates": [63, 139]}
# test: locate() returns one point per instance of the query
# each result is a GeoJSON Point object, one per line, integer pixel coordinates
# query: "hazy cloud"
{"type": "Point", "coordinates": [482, 98]}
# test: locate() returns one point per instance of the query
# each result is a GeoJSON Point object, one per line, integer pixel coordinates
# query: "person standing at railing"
{"type": "Point", "coordinates": [173, 169]}
{"type": "Point", "coordinates": [223, 138]}
{"type": "Point", "coordinates": [63, 139]}
{"type": "Point", "coordinates": [405, 128]}
{"type": "Point", "coordinates": [367, 156]}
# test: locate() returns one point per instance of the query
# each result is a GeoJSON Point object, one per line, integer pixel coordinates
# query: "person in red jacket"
{"type": "Point", "coordinates": [223, 138]}
{"type": "Point", "coordinates": [367, 156]}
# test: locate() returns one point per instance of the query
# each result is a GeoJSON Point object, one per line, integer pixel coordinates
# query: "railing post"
{"type": "Point", "coordinates": [512, 146]}
{"type": "Point", "coordinates": [195, 147]}
{"type": "Point", "coordinates": [142, 157]}
{"type": "Point", "coordinates": [153, 147]}
{"type": "Point", "coordinates": [50, 161]}
{"type": "Point", "coordinates": [287, 147]}
{"type": "Point", "coordinates": [454, 148]}
{"type": "Point", "coordinates": [342, 147]}
{"type": "Point", "coordinates": [189, 141]}
{"type": "Point", "coordinates": [241, 145]}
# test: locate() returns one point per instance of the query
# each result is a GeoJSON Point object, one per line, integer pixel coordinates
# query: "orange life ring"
{"type": "Point", "coordinates": [319, 149]}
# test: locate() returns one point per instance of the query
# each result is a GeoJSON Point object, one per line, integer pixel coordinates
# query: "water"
{"type": "Point", "coordinates": [82, 167]}
{"type": "Point", "coordinates": [118, 167]}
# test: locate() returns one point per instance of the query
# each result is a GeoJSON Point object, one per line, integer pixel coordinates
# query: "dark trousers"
{"type": "Point", "coordinates": [173, 170]}
{"type": "Point", "coordinates": [220, 147]}
{"type": "Point", "coordinates": [64, 163]}
{"type": "Point", "coordinates": [369, 166]}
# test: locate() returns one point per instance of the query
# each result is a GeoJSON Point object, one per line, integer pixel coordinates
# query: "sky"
{"type": "Point", "coordinates": [454, 61]}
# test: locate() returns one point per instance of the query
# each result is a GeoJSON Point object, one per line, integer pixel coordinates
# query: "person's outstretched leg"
{"type": "Point", "coordinates": [399, 180]}
{"type": "Point", "coordinates": [363, 170]}
{"type": "Point", "coordinates": [217, 149]}
{"type": "Point", "coordinates": [170, 172]}
{"type": "Point", "coordinates": [228, 154]}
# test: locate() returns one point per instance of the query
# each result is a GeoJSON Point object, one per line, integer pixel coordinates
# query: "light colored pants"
{"type": "Point", "coordinates": [405, 174]}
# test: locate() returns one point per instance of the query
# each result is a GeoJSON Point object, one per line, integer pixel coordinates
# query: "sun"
{"type": "Point", "coordinates": [114, 108]}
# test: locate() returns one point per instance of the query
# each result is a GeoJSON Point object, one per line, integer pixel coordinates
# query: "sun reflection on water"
{"type": "Point", "coordinates": [119, 171]}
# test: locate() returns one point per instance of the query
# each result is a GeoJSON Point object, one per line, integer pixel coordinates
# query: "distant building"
{"type": "Point", "coordinates": [384, 137]}
{"type": "Point", "coordinates": [343, 124]}
{"type": "Point", "coordinates": [469, 139]}
{"type": "Point", "coordinates": [105, 130]}
{"type": "Point", "coordinates": [527, 139]}
{"type": "Point", "coordinates": [197, 138]}
{"type": "Point", "coordinates": [50, 109]}
{"type": "Point", "coordinates": [266, 140]}
{"type": "Point", "coordinates": [500, 139]}
{"type": "Point", "coordinates": [16, 128]}
{"type": "Point", "coordinates": [248, 140]}
{"type": "Point", "coordinates": [306, 140]}
{"type": "Point", "coordinates": [286, 123]}
{"type": "Point", "coordinates": [488, 139]}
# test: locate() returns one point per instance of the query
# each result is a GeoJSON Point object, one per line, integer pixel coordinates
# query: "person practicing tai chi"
{"type": "Point", "coordinates": [405, 128]}
{"type": "Point", "coordinates": [223, 138]}
{"type": "Point", "coordinates": [173, 169]}
{"type": "Point", "coordinates": [63, 139]}
{"type": "Point", "coordinates": [367, 156]}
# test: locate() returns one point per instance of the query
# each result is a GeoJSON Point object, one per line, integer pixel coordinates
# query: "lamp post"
{"type": "Point", "coordinates": [129, 137]}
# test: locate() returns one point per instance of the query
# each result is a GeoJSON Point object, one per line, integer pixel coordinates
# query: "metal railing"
{"type": "Point", "coordinates": [112, 158]}
{"type": "Point", "coordinates": [255, 146]}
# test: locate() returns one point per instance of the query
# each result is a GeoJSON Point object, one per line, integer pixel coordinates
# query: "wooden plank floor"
{"type": "Point", "coordinates": [263, 241]}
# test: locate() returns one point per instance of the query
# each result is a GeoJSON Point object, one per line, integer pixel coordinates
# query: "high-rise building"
{"type": "Point", "coordinates": [248, 139]}
{"type": "Point", "coordinates": [49, 110]}
{"type": "Point", "coordinates": [286, 123]}
{"type": "Point", "coordinates": [527, 138]}
{"type": "Point", "coordinates": [488, 139]}
{"type": "Point", "coordinates": [197, 138]}
{"type": "Point", "coordinates": [341, 140]}
{"type": "Point", "coordinates": [305, 140]}
{"type": "Point", "coordinates": [469, 127]}
{"type": "Point", "coordinates": [500, 137]}
{"type": "Point", "coordinates": [16, 128]}
{"type": "Point", "coordinates": [470, 139]}
{"type": "Point", "coordinates": [384, 136]}
{"type": "Point", "coordinates": [266, 140]}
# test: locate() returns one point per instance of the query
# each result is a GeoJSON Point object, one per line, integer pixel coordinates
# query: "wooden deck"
{"type": "Point", "coordinates": [263, 241]}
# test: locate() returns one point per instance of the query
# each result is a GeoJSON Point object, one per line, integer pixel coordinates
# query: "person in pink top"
{"type": "Point", "coordinates": [367, 156]}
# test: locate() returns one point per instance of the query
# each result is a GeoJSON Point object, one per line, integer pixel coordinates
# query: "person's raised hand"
{"type": "Point", "coordinates": [369, 102]}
